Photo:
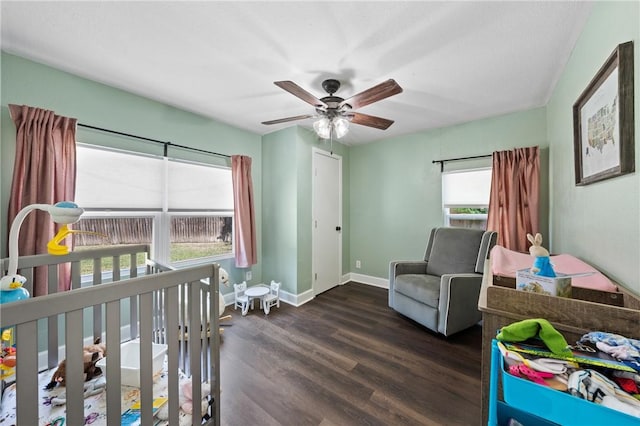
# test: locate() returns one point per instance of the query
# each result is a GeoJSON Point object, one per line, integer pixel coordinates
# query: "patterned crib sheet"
{"type": "Point", "coordinates": [95, 406]}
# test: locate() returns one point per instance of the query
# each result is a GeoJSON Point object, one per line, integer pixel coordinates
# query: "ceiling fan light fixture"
{"type": "Point", "coordinates": [323, 128]}
{"type": "Point", "coordinates": [341, 126]}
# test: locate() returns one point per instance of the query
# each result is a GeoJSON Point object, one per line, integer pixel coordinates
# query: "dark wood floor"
{"type": "Point", "coordinates": [346, 358]}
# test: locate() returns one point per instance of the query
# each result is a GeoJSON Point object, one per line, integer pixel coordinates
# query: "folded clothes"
{"type": "Point", "coordinates": [620, 347]}
{"type": "Point", "coordinates": [616, 404]}
{"type": "Point", "coordinates": [594, 386]}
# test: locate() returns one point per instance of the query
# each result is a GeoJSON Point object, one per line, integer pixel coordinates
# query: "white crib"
{"type": "Point", "coordinates": [136, 303]}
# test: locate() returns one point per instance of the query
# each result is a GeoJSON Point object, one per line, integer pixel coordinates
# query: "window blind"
{"type": "Point", "coordinates": [466, 188]}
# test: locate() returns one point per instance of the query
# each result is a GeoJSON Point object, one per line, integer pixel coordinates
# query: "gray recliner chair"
{"type": "Point", "coordinates": [441, 292]}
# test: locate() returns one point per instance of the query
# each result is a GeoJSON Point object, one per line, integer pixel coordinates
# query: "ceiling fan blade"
{"type": "Point", "coordinates": [370, 120]}
{"type": "Point", "coordinates": [284, 120]}
{"type": "Point", "coordinates": [374, 94]}
{"type": "Point", "coordinates": [298, 91]}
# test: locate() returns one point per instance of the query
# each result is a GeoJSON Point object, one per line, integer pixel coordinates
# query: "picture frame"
{"type": "Point", "coordinates": [603, 122]}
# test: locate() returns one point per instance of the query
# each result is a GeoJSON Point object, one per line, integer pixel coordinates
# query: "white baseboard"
{"type": "Point", "coordinates": [297, 299]}
{"type": "Point", "coordinates": [365, 279]}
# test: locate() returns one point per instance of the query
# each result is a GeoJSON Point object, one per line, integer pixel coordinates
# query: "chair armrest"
{"type": "Point", "coordinates": [458, 305]}
{"type": "Point", "coordinates": [399, 267]}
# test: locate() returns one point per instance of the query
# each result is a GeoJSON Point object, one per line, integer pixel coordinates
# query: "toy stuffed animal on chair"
{"type": "Point", "coordinates": [185, 401]}
{"type": "Point", "coordinates": [542, 264]}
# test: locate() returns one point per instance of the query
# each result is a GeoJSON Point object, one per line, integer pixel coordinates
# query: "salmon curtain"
{"type": "Point", "coordinates": [44, 172]}
{"type": "Point", "coordinates": [514, 197]}
{"type": "Point", "coordinates": [244, 227]}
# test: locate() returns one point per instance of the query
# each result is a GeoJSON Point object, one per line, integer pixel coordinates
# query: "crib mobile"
{"type": "Point", "coordinates": [11, 285]}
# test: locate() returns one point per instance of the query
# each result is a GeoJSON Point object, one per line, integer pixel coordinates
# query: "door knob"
{"type": "Point", "coordinates": [338, 228]}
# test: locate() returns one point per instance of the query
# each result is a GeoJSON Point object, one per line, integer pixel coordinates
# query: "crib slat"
{"type": "Point", "coordinates": [75, 274]}
{"type": "Point", "coordinates": [97, 321]}
{"type": "Point", "coordinates": [52, 322]}
{"type": "Point", "coordinates": [196, 327]}
{"type": "Point", "coordinates": [133, 266]}
{"type": "Point", "coordinates": [27, 405]}
{"type": "Point", "coordinates": [214, 341]}
{"type": "Point", "coordinates": [97, 309]}
{"type": "Point", "coordinates": [52, 279]}
{"type": "Point", "coordinates": [74, 377]}
{"type": "Point", "coordinates": [171, 331]}
{"type": "Point", "coordinates": [183, 324]}
{"type": "Point", "coordinates": [52, 341]}
{"type": "Point", "coordinates": [97, 271]}
{"type": "Point", "coordinates": [113, 362]}
{"type": "Point", "coordinates": [116, 268]}
{"type": "Point", "coordinates": [157, 317]}
{"type": "Point", "coordinates": [146, 354]}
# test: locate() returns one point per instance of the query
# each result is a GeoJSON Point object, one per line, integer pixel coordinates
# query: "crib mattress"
{"type": "Point", "coordinates": [95, 407]}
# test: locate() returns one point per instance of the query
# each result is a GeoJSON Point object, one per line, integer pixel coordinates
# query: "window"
{"type": "Point", "coordinates": [199, 237]}
{"type": "Point", "coordinates": [184, 210]}
{"type": "Point", "coordinates": [465, 197]}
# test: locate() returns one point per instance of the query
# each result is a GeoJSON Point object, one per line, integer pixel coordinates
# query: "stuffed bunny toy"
{"type": "Point", "coordinates": [185, 401]}
{"type": "Point", "coordinates": [542, 264]}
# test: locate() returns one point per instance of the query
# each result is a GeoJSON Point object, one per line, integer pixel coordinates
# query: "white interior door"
{"type": "Point", "coordinates": [327, 220]}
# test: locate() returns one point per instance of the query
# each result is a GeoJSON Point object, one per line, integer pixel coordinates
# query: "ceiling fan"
{"type": "Point", "coordinates": [335, 112]}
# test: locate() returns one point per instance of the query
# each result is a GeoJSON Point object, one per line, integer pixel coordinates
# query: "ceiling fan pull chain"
{"type": "Point", "coordinates": [331, 139]}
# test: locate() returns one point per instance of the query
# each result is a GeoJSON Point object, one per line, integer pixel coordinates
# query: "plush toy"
{"type": "Point", "coordinates": [90, 355]}
{"type": "Point", "coordinates": [542, 264]}
{"type": "Point", "coordinates": [223, 277]}
{"type": "Point", "coordinates": [11, 288]}
{"type": "Point", "coordinates": [185, 401]}
{"type": "Point", "coordinates": [92, 387]}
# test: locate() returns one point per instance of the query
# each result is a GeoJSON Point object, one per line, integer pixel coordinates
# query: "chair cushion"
{"type": "Point", "coordinates": [420, 287]}
{"type": "Point", "coordinates": [454, 251]}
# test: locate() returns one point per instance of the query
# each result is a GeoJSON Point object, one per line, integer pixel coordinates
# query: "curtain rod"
{"type": "Point", "coordinates": [458, 159]}
{"type": "Point", "coordinates": [165, 143]}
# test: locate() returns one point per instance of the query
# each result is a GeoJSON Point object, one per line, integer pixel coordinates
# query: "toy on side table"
{"type": "Point", "coordinates": [542, 264]}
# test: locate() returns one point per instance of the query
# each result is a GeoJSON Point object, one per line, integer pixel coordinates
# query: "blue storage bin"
{"type": "Point", "coordinates": [507, 412]}
{"type": "Point", "coordinates": [554, 405]}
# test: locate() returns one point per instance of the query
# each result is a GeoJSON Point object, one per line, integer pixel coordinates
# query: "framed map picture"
{"type": "Point", "coordinates": [603, 130]}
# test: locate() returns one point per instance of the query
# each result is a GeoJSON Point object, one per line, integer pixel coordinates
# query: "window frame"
{"type": "Point", "coordinates": [161, 216]}
{"type": "Point", "coordinates": [478, 217]}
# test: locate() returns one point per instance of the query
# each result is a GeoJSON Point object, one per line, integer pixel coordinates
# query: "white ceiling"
{"type": "Point", "coordinates": [456, 61]}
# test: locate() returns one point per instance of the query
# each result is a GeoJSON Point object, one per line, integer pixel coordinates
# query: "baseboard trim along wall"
{"type": "Point", "coordinates": [365, 279]}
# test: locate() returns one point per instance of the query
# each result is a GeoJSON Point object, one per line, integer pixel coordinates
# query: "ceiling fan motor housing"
{"type": "Point", "coordinates": [331, 86]}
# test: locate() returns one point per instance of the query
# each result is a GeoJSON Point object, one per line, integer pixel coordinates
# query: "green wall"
{"type": "Point", "coordinates": [287, 206]}
{"type": "Point", "coordinates": [30, 83]}
{"type": "Point", "coordinates": [396, 194]}
{"type": "Point", "coordinates": [279, 206]}
{"type": "Point", "coordinates": [599, 223]}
